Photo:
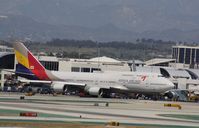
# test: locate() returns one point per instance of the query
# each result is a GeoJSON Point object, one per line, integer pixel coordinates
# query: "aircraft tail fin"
{"type": "Point", "coordinates": [28, 64]}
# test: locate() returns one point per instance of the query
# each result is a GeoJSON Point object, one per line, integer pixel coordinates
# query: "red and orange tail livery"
{"type": "Point", "coordinates": [28, 65]}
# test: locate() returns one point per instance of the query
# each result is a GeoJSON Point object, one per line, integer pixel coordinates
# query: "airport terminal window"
{"type": "Point", "coordinates": [85, 69]}
{"type": "Point", "coordinates": [50, 65]}
{"type": "Point", "coordinates": [7, 61]}
{"type": "Point", "coordinates": [95, 69]}
{"type": "Point", "coordinates": [197, 56]}
{"type": "Point", "coordinates": [187, 56]}
{"type": "Point", "coordinates": [181, 57]}
{"type": "Point", "coordinates": [177, 53]}
{"type": "Point", "coordinates": [174, 53]}
{"type": "Point", "coordinates": [75, 69]}
{"type": "Point", "coordinates": [193, 59]}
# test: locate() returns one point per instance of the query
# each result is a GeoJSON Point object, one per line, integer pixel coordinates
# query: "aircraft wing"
{"type": "Point", "coordinates": [34, 81]}
{"type": "Point", "coordinates": [67, 83]}
{"type": "Point", "coordinates": [52, 82]}
{"type": "Point", "coordinates": [116, 87]}
{"type": "Point", "coordinates": [120, 87]}
{"type": "Point", "coordinates": [16, 72]}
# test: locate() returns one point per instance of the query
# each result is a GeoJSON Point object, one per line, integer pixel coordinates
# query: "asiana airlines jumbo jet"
{"type": "Point", "coordinates": [94, 84]}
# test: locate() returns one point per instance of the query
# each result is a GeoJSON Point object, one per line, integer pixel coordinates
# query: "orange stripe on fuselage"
{"type": "Point", "coordinates": [37, 68]}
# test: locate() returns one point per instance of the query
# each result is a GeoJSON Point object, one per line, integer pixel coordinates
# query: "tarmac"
{"type": "Point", "coordinates": [66, 109]}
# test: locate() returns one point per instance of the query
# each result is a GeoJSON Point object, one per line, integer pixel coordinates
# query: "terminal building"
{"type": "Point", "coordinates": [182, 78]}
{"type": "Point", "coordinates": [186, 55]}
{"type": "Point", "coordinates": [160, 62]}
{"type": "Point", "coordinates": [87, 65]}
{"type": "Point", "coordinates": [7, 62]}
{"type": "Point", "coordinates": [7, 58]}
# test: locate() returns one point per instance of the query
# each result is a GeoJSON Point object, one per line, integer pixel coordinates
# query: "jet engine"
{"type": "Point", "coordinates": [58, 86]}
{"type": "Point", "coordinates": [67, 87]}
{"type": "Point", "coordinates": [170, 94]}
{"type": "Point", "coordinates": [95, 91]}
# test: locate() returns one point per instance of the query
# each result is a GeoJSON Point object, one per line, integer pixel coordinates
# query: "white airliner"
{"type": "Point", "coordinates": [95, 83]}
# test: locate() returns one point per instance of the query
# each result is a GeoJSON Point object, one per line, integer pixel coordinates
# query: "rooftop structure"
{"type": "Point", "coordinates": [159, 62]}
{"type": "Point", "coordinates": [103, 59]}
{"type": "Point", "coordinates": [4, 48]}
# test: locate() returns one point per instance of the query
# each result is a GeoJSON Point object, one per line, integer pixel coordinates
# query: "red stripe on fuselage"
{"type": "Point", "coordinates": [37, 68]}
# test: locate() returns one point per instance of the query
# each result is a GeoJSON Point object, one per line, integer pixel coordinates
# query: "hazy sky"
{"type": "Point", "coordinates": [145, 17]}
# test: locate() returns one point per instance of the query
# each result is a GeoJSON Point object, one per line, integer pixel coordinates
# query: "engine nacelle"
{"type": "Point", "coordinates": [94, 91]}
{"type": "Point", "coordinates": [170, 94]}
{"type": "Point", "coordinates": [58, 86]}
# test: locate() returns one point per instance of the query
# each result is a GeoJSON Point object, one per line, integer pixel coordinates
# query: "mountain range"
{"type": "Point", "coordinates": [100, 20]}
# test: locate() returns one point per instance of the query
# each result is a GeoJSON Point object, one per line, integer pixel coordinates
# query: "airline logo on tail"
{"type": "Point", "coordinates": [28, 64]}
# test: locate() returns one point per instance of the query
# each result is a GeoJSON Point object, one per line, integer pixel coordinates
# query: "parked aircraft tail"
{"type": "Point", "coordinates": [27, 64]}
